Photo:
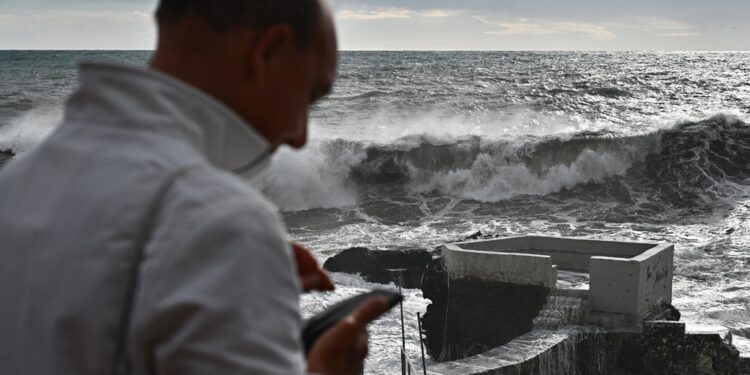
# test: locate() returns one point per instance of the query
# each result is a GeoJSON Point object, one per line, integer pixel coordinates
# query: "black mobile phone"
{"type": "Point", "coordinates": [317, 325]}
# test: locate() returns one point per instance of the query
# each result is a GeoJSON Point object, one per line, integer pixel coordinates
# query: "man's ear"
{"type": "Point", "coordinates": [269, 46]}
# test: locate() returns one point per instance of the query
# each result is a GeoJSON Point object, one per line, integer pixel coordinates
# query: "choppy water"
{"type": "Point", "coordinates": [414, 149]}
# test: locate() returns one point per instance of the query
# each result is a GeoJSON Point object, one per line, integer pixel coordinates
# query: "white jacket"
{"type": "Point", "coordinates": [218, 294]}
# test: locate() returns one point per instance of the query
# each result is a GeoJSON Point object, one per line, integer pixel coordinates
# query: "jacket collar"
{"type": "Point", "coordinates": [117, 95]}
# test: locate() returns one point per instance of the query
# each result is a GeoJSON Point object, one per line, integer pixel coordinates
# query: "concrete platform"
{"type": "Point", "coordinates": [547, 305]}
{"type": "Point", "coordinates": [662, 348]}
{"type": "Point", "coordinates": [625, 278]}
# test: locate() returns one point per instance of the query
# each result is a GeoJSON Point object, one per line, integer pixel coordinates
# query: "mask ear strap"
{"type": "Point", "coordinates": [121, 365]}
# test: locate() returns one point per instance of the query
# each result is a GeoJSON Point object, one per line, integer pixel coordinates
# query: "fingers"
{"type": "Point", "coordinates": [305, 260]}
{"type": "Point", "coordinates": [363, 344]}
{"type": "Point", "coordinates": [310, 273]}
{"type": "Point", "coordinates": [324, 281]}
{"type": "Point", "coordinates": [367, 312]}
{"type": "Point", "coordinates": [317, 281]}
{"type": "Point", "coordinates": [343, 348]}
{"type": "Point", "coordinates": [309, 282]}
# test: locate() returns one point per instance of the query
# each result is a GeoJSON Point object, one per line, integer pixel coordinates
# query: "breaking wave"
{"type": "Point", "coordinates": [692, 160]}
{"type": "Point", "coordinates": [24, 132]}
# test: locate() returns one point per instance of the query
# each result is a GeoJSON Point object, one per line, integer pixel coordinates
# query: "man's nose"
{"type": "Point", "coordinates": [299, 138]}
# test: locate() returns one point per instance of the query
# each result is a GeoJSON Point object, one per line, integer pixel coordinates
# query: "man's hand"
{"type": "Point", "coordinates": [343, 348]}
{"type": "Point", "coordinates": [310, 273]}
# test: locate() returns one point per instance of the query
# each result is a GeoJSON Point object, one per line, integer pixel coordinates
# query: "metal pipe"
{"type": "Point", "coordinates": [403, 337]}
{"type": "Point", "coordinates": [421, 344]}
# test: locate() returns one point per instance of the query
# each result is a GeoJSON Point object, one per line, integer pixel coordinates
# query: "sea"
{"type": "Point", "coordinates": [415, 149]}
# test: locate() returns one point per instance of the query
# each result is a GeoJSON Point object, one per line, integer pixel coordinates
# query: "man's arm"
{"type": "Point", "coordinates": [224, 299]}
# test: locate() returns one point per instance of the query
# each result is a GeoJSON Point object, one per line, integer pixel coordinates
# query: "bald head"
{"type": "Point", "coordinates": [268, 60]}
{"type": "Point", "coordinates": [303, 16]}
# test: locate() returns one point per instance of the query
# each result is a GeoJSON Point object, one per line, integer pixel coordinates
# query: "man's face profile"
{"type": "Point", "coordinates": [269, 75]}
{"type": "Point", "coordinates": [289, 80]}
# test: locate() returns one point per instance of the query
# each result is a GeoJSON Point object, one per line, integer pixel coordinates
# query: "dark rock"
{"type": "Point", "coordinates": [474, 236]}
{"type": "Point", "coordinates": [5, 156]}
{"type": "Point", "coordinates": [665, 312]}
{"type": "Point", "coordinates": [468, 317]}
{"type": "Point", "coordinates": [402, 267]}
{"type": "Point", "coordinates": [478, 235]}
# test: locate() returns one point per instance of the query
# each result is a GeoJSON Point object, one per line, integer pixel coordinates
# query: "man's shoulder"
{"type": "Point", "coordinates": [209, 209]}
{"type": "Point", "coordinates": [209, 192]}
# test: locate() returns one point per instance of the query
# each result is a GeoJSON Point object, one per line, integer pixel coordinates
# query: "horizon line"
{"type": "Point", "coordinates": [390, 50]}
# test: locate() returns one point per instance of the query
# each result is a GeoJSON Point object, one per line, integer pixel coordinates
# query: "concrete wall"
{"type": "Point", "coordinates": [632, 286]}
{"type": "Point", "coordinates": [511, 268]}
{"type": "Point", "coordinates": [564, 260]}
{"type": "Point", "coordinates": [628, 278]}
{"type": "Point", "coordinates": [566, 253]}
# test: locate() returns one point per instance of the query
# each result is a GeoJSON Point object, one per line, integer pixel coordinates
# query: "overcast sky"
{"type": "Point", "coordinates": [418, 24]}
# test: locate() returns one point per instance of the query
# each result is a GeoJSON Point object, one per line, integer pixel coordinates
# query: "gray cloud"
{"type": "Point", "coordinates": [419, 24]}
{"type": "Point", "coordinates": [604, 10]}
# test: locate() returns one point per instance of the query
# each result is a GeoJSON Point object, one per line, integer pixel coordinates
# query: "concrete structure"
{"type": "Point", "coordinates": [627, 278]}
{"type": "Point", "coordinates": [660, 348]}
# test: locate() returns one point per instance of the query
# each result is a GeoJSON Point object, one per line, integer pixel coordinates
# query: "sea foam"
{"type": "Point", "coordinates": [29, 129]}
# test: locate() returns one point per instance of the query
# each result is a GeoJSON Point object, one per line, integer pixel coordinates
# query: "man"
{"type": "Point", "coordinates": [146, 162]}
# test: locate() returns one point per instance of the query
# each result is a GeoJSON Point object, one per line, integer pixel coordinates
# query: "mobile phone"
{"type": "Point", "coordinates": [317, 325]}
